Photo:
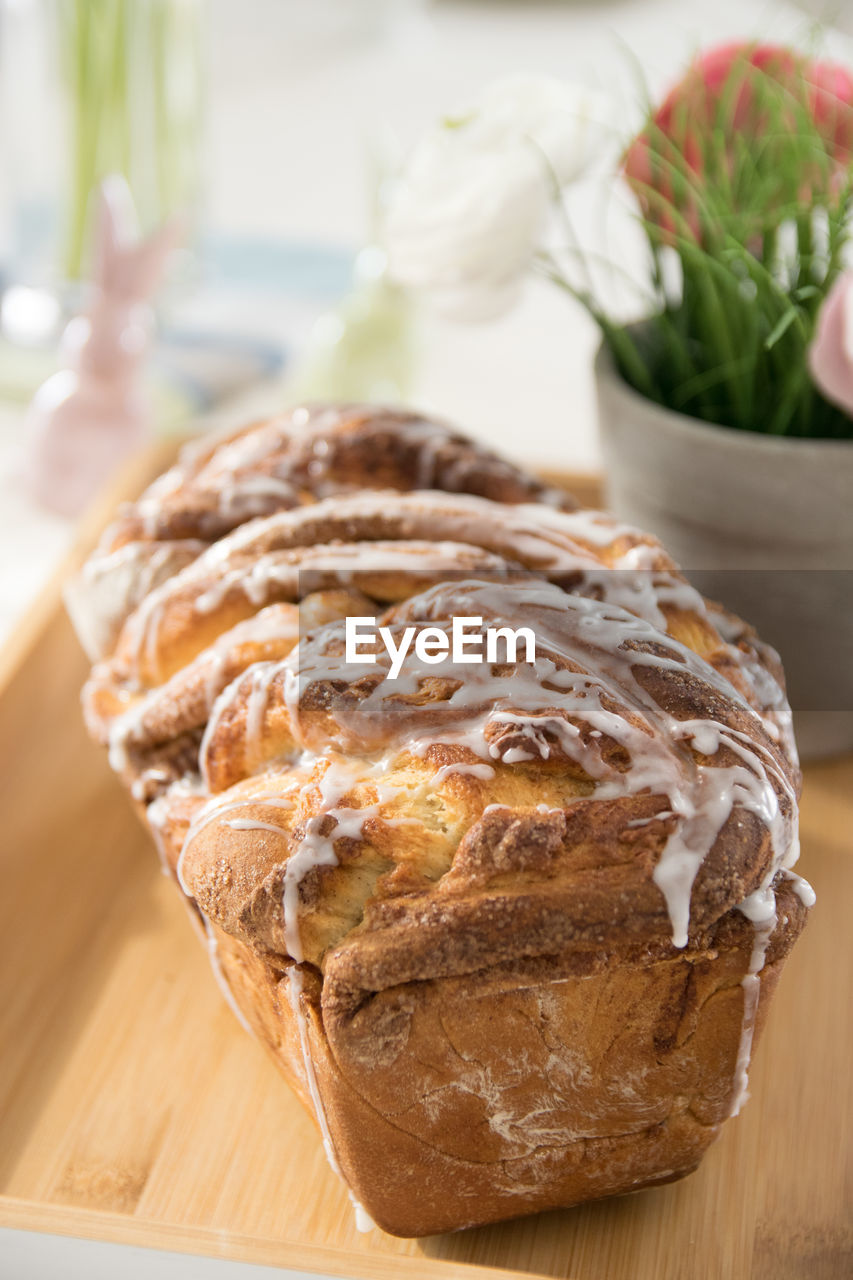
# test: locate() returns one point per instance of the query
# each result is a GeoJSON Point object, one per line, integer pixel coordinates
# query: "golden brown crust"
{"type": "Point", "coordinates": [222, 481]}
{"type": "Point", "coordinates": [461, 811]}
{"type": "Point", "coordinates": [311, 452]}
{"type": "Point", "coordinates": [493, 923]}
{"type": "Point", "coordinates": [524, 1086]}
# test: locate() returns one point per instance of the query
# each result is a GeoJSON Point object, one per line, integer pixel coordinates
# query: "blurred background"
{"type": "Point", "coordinates": [272, 127]}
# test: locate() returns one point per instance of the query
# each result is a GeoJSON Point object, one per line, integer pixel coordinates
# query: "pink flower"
{"type": "Point", "coordinates": [831, 352]}
{"type": "Point", "coordinates": [725, 96]}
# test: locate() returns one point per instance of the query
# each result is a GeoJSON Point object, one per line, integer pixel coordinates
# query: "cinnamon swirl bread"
{"type": "Point", "coordinates": [509, 928]}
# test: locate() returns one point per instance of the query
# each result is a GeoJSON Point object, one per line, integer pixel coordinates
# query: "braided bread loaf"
{"type": "Point", "coordinates": [508, 928]}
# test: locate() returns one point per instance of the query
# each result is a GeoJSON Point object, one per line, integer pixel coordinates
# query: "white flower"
{"type": "Point", "coordinates": [565, 122]}
{"type": "Point", "coordinates": [469, 211]}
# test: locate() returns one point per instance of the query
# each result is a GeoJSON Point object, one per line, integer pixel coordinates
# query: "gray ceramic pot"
{"type": "Point", "coordinates": [762, 523]}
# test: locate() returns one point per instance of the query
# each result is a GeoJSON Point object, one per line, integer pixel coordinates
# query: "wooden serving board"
{"type": "Point", "coordinates": [133, 1107]}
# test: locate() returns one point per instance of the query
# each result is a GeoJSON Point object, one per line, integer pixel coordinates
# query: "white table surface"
{"type": "Point", "coordinates": [288, 140]}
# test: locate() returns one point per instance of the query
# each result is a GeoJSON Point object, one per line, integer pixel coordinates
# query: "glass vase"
{"type": "Point", "coordinates": [89, 88]}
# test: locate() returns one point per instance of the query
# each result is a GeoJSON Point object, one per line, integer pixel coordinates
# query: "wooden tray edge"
{"type": "Point", "coordinates": [116, 1228]}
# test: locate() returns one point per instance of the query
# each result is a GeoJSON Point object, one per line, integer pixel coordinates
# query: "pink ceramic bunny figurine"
{"type": "Point", "coordinates": [91, 415]}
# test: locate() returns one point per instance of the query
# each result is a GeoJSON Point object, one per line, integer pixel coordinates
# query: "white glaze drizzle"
{"type": "Point", "coordinates": [219, 975]}
{"type": "Point", "coordinates": [295, 987]}
{"type": "Point", "coordinates": [215, 810]}
{"type": "Point", "coordinates": [157, 812]}
{"type": "Point", "coordinates": [700, 795]}
{"type": "Point", "coordinates": [553, 543]}
{"type": "Point", "coordinates": [295, 984]}
{"type": "Point", "coordinates": [700, 808]}
{"type": "Point", "coordinates": [801, 887]}
{"type": "Point", "coordinates": [760, 909]}
{"type": "Point", "coordinates": [129, 727]}
{"type": "Point", "coordinates": [644, 595]}
{"type": "Point", "coordinates": [546, 538]}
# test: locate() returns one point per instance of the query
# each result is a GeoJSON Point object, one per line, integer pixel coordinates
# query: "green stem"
{"type": "Point", "coordinates": [116, 57]}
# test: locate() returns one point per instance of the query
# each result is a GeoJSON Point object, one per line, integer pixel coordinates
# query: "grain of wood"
{"type": "Point", "coordinates": [134, 1108]}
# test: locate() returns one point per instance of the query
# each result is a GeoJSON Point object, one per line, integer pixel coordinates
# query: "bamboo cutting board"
{"type": "Point", "coordinates": [133, 1107]}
